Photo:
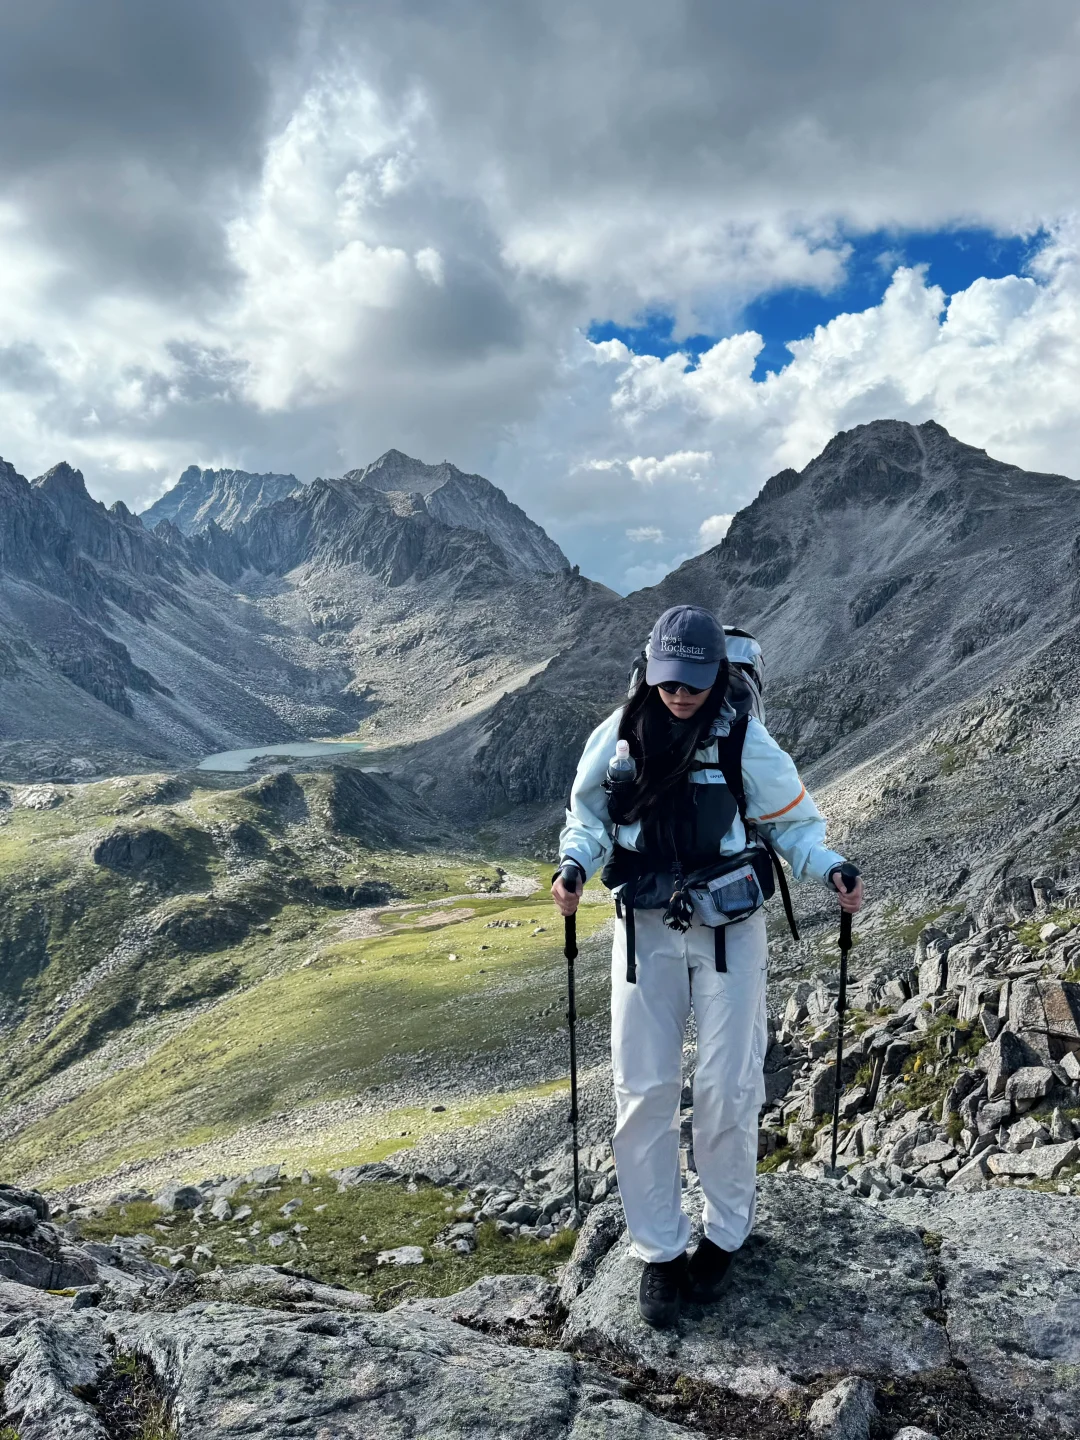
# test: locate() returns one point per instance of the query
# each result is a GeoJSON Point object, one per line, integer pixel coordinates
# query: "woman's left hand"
{"type": "Point", "coordinates": [850, 900]}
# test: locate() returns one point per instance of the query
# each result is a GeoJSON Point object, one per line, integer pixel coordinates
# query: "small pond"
{"type": "Point", "coordinates": [290, 750]}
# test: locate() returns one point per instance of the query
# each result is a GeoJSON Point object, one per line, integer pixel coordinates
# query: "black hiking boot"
{"type": "Point", "coordinates": [660, 1291]}
{"type": "Point", "coordinates": [708, 1274]}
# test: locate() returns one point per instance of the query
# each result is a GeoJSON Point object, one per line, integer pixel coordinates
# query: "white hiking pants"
{"type": "Point", "coordinates": [648, 1020]}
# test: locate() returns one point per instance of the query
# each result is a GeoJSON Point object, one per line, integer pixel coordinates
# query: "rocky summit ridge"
{"type": "Point", "coordinates": [256, 610]}
{"type": "Point", "coordinates": [844, 1320]}
{"type": "Point", "coordinates": [467, 502]}
{"type": "Point", "coordinates": [225, 497]}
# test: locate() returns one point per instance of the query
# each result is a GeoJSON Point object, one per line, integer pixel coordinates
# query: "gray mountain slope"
{"type": "Point", "coordinates": [224, 496]}
{"type": "Point", "coordinates": [898, 573]}
{"type": "Point", "coordinates": [919, 608]}
{"type": "Point", "coordinates": [123, 646]}
{"type": "Point", "coordinates": [132, 646]}
{"type": "Point", "coordinates": [429, 618]}
{"type": "Point", "coordinates": [469, 502]}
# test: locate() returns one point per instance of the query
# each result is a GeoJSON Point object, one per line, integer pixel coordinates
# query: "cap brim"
{"type": "Point", "coordinates": [683, 672]}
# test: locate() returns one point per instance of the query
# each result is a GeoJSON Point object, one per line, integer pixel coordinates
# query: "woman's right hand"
{"type": "Point", "coordinates": [566, 901]}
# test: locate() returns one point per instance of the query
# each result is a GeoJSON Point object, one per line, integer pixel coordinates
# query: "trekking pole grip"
{"type": "Point", "coordinates": [570, 876]}
{"type": "Point", "coordinates": [848, 875]}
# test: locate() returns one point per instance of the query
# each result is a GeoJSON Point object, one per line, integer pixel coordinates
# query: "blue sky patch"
{"type": "Point", "coordinates": [954, 258]}
{"type": "Point", "coordinates": [651, 336]}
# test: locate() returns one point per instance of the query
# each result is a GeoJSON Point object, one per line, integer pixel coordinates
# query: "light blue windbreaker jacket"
{"type": "Point", "coordinates": [776, 801]}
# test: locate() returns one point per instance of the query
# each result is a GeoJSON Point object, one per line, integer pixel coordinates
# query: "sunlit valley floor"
{"type": "Point", "coordinates": [199, 978]}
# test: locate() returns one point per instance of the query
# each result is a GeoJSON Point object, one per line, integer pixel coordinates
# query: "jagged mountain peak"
{"type": "Point", "coordinates": [65, 487]}
{"type": "Point", "coordinates": [397, 471]}
{"type": "Point", "coordinates": [88, 518]}
{"type": "Point", "coordinates": [168, 532]}
{"type": "Point", "coordinates": [887, 466]}
{"type": "Point", "coordinates": [62, 480]}
{"type": "Point", "coordinates": [900, 440]}
{"type": "Point", "coordinates": [388, 534]}
{"type": "Point", "coordinates": [228, 497]}
{"type": "Point", "coordinates": [467, 502]}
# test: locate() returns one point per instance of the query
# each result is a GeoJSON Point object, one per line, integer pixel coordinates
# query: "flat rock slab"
{"type": "Point", "coordinates": [233, 1371]}
{"type": "Point", "coordinates": [52, 1367]}
{"type": "Point", "coordinates": [263, 1285]}
{"type": "Point", "coordinates": [19, 1303]}
{"type": "Point", "coordinates": [1011, 1263]}
{"type": "Point", "coordinates": [826, 1286]}
{"type": "Point", "coordinates": [499, 1303]}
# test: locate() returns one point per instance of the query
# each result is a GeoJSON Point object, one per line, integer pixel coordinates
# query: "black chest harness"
{"type": "Point", "coordinates": [681, 856]}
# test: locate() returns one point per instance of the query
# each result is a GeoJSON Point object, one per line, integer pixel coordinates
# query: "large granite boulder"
{"type": "Point", "coordinates": [133, 849]}
{"type": "Point", "coordinates": [46, 1264]}
{"type": "Point", "coordinates": [1046, 1014]}
{"type": "Point", "coordinates": [1010, 1261]}
{"type": "Point", "coordinates": [826, 1286]}
{"type": "Point", "coordinates": [230, 1371]}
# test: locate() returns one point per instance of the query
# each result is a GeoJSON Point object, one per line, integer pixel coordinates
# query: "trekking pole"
{"type": "Point", "coordinates": [848, 876]}
{"type": "Point", "coordinates": [569, 876]}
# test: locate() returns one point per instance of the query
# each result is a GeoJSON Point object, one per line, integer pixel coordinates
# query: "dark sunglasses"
{"type": "Point", "coordinates": [672, 687]}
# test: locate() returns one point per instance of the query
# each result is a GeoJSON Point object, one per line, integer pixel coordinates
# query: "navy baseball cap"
{"type": "Point", "coordinates": [687, 646]}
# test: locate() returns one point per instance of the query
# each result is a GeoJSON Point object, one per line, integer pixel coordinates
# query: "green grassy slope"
{"type": "Point", "coordinates": [336, 1236]}
{"type": "Point", "coordinates": [153, 1008]}
{"type": "Point", "coordinates": [355, 1016]}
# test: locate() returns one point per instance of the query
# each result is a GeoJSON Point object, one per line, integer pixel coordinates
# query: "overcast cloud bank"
{"type": "Point", "coordinates": [289, 237]}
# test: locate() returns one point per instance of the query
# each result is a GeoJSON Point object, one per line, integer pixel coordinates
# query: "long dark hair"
{"type": "Point", "coordinates": [664, 747]}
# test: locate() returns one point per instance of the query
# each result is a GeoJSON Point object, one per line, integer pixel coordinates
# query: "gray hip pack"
{"type": "Point", "coordinates": [724, 893]}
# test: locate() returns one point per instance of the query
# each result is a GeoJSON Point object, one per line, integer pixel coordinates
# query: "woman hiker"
{"type": "Point", "coordinates": [680, 847]}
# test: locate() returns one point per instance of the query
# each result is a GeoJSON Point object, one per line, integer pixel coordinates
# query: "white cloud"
{"type": "Point", "coordinates": [685, 465]}
{"type": "Point", "coordinates": [637, 577]}
{"type": "Point", "coordinates": [999, 366]}
{"type": "Point", "coordinates": [713, 529]}
{"type": "Point", "coordinates": [410, 221]}
{"type": "Point", "coordinates": [651, 534]}
{"type": "Point", "coordinates": [430, 264]}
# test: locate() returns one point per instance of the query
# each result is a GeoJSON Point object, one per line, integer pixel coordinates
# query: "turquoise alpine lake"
{"type": "Point", "coordinates": [288, 750]}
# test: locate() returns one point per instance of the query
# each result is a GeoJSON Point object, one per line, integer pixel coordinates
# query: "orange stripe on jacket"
{"type": "Point", "coordinates": [777, 813]}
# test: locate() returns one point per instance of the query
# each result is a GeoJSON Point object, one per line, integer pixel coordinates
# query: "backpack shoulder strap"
{"type": "Point", "coordinates": [729, 751]}
{"type": "Point", "coordinates": [785, 893]}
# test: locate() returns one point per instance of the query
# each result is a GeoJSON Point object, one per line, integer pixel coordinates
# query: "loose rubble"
{"type": "Point", "coordinates": [962, 1072]}
{"type": "Point", "coordinates": [845, 1412]}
